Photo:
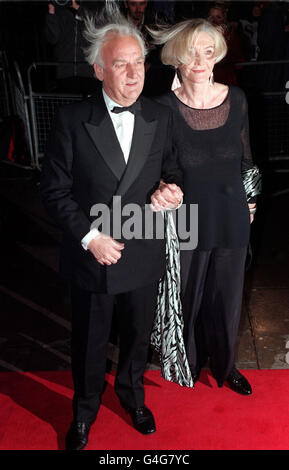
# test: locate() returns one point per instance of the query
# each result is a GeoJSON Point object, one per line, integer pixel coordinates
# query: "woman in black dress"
{"type": "Point", "coordinates": [212, 140]}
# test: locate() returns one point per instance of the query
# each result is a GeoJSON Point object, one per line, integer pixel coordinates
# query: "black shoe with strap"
{"type": "Point", "coordinates": [142, 419]}
{"type": "Point", "coordinates": [77, 436]}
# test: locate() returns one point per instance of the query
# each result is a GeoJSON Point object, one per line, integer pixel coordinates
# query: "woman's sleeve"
{"type": "Point", "coordinates": [247, 161]}
{"type": "Point", "coordinates": [250, 172]}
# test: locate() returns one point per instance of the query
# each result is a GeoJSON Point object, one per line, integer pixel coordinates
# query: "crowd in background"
{"type": "Point", "coordinates": [254, 31]}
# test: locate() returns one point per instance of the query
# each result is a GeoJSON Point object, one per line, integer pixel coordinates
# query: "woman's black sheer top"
{"type": "Point", "coordinates": [213, 148]}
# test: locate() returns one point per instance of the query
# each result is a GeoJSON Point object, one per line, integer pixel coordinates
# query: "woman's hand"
{"type": "Point", "coordinates": [252, 209]}
{"type": "Point", "coordinates": [167, 196]}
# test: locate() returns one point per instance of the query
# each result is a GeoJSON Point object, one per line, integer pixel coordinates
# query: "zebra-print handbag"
{"type": "Point", "coordinates": [252, 181]}
{"type": "Point", "coordinates": [167, 334]}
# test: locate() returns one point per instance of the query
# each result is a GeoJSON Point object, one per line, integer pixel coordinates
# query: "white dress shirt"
{"type": "Point", "coordinates": [123, 124]}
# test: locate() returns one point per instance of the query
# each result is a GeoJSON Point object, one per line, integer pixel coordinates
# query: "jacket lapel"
{"type": "Point", "coordinates": [103, 136]}
{"type": "Point", "coordinates": [143, 135]}
{"type": "Point", "coordinates": [102, 133]}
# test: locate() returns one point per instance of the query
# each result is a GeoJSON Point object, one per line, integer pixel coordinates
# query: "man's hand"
{"type": "Point", "coordinates": [253, 208]}
{"type": "Point", "coordinates": [167, 196]}
{"type": "Point", "coordinates": [105, 249]}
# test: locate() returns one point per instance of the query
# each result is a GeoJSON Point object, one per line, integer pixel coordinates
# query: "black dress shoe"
{"type": "Point", "coordinates": [142, 419]}
{"type": "Point", "coordinates": [238, 383]}
{"type": "Point", "coordinates": [77, 436]}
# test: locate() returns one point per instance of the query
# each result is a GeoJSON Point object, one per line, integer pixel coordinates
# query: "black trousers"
{"type": "Point", "coordinates": [91, 324]}
{"type": "Point", "coordinates": [212, 301]}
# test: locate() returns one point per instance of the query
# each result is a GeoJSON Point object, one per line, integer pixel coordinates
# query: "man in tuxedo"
{"type": "Point", "coordinates": [112, 144]}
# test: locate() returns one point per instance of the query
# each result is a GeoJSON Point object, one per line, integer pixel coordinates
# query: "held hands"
{"type": "Point", "coordinates": [252, 209]}
{"type": "Point", "coordinates": [167, 196]}
{"type": "Point", "coordinates": [105, 249]}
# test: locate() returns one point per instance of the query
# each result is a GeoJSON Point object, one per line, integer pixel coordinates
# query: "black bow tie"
{"type": "Point", "coordinates": [133, 108]}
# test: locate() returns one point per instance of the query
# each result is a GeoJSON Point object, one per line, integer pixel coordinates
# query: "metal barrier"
{"type": "Point", "coordinates": [14, 102]}
{"type": "Point", "coordinates": [5, 105]}
{"type": "Point", "coordinates": [269, 113]}
{"type": "Point", "coordinates": [43, 107]}
{"type": "Point", "coordinates": [276, 137]}
{"type": "Point", "coordinates": [21, 109]}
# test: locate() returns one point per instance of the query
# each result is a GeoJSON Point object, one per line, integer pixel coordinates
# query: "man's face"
{"type": "Point", "coordinates": [123, 71]}
{"type": "Point", "coordinates": [136, 9]}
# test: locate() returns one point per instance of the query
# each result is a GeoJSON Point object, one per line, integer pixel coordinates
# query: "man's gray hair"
{"type": "Point", "coordinates": [98, 28]}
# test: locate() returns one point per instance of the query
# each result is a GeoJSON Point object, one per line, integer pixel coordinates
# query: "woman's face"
{"type": "Point", "coordinates": [202, 62]}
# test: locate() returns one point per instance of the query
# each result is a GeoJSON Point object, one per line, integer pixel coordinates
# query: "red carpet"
{"type": "Point", "coordinates": [35, 412]}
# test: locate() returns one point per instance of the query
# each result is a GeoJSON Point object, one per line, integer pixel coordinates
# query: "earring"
{"type": "Point", "coordinates": [211, 80]}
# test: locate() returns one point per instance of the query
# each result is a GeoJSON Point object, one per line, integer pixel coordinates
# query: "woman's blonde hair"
{"type": "Point", "coordinates": [178, 40]}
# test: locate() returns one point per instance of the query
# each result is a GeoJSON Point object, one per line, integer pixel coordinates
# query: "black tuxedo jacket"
{"type": "Point", "coordinates": [84, 165]}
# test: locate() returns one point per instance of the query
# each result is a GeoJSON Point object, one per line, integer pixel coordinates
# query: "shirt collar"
{"type": "Point", "coordinates": [110, 104]}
